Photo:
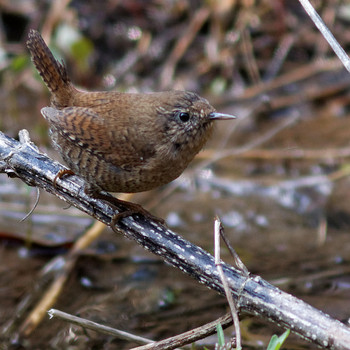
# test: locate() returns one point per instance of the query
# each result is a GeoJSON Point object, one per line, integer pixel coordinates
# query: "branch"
{"type": "Point", "coordinates": [251, 293]}
{"type": "Point", "coordinates": [332, 41]}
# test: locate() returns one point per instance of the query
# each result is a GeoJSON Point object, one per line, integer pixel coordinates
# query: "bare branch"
{"type": "Point", "coordinates": [254, 295]}
{"type": "Point", "coordinates": [83, 322]}
{"type": "Point", "coordinates": [344, 58]}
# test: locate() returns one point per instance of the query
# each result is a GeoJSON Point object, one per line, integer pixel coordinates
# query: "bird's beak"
{"type": "Point", "coordinates": [221, 116]}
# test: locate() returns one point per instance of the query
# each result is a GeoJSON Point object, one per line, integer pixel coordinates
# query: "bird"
{"type": "Point", "coordinates": [117, 141]}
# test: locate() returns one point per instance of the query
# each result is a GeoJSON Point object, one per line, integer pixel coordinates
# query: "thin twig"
{"type": "Point", "coordinates": [238, 262]}
{"type": "Point", "coordinates": [190, 336]}
{"type": "Point", "coordinates": [34, 206]}
{"type": "Point", "coordinates": [218, 263]}
{"type": "Point", "coordinates": [83, 322]}
{"type": "Point", "coordinates": [339, 51]}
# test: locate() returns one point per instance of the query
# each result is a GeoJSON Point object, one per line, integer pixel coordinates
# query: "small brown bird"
{"type": "Point", "coordinates": [122, 142]}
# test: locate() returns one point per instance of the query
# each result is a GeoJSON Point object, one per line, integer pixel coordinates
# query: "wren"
{"type": "Point", "coordinates": [121, 142]}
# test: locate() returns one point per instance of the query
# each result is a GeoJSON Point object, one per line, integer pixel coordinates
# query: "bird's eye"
{"type": "Point", "coordinates": [184, 117]}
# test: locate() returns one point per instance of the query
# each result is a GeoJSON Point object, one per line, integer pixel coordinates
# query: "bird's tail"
{"type": "Point", "coordinates": [52, 72]}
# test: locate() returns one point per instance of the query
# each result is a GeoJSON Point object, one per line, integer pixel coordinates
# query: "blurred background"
{"type": "Point", "coordinates": [277, 176]}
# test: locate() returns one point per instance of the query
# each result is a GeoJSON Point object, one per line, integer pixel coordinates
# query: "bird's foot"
{"type": "Point", "coordinates": [130, 209]}
{"type": "Point", "coordinates": [60, 174]}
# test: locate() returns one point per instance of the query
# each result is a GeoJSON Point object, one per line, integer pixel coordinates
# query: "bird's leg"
{"type": "Point", "coordinates": [131, 209]}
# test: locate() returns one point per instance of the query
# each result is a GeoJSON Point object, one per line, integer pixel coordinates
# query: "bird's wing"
{"type": "Point", "coordinates": [84, 128]}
